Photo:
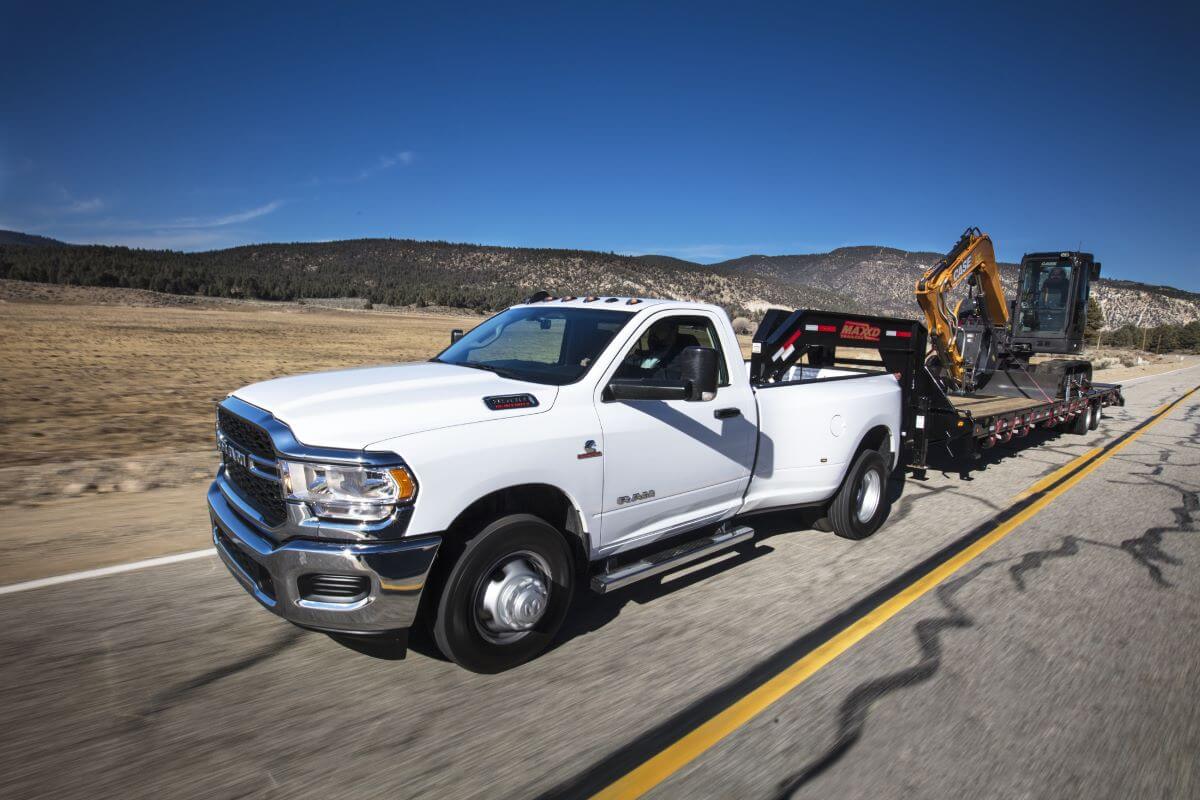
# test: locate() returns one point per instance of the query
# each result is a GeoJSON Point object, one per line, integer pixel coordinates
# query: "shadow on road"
{"type": "Point", "coordinates": [590, 611]}
{"type": "Point", "coordinates": [1146, 551]}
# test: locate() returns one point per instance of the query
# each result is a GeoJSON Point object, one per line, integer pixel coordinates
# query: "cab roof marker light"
{"type": "Point", "coordinates": [590, 299]}
{"type": "Point", "coordinates": [633, 301]}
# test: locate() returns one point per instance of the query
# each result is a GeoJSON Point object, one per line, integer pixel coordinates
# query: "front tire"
{"type": "Point", "coordinates": [507, 595]}
{"type": "Point", "coordinates": [860, 506]}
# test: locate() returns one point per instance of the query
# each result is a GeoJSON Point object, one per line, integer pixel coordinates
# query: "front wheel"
{"type": "Point", "coordinates": [860, 506]}
{"type": "Point", "coordinates": [506, 596]}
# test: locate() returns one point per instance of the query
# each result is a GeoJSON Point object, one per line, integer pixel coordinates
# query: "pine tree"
{"type": "Point", "coordinates": [1095, 320]}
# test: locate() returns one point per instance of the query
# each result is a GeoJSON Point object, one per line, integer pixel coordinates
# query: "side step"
{"type": "Point", "coordinates": [670, 558]}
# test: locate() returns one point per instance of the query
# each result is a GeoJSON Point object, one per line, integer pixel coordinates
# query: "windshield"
{"type": "Point", "coordinates": [1045, 296]}
{"type": "Point", "coordinates": [540, 344]}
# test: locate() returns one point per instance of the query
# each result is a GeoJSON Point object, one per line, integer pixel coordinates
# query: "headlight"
{"type": "Point", "coordinates": [336, 491]}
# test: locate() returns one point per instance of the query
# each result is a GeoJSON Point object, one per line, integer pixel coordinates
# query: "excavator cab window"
{"type": "Point", "coordinates": [1045, 297]}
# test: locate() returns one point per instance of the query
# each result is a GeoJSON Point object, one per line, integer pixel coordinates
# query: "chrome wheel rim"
{"type": "Point", "coordinates": [866, 499]}
{"type": "Point", "coordinates": [512, 597]}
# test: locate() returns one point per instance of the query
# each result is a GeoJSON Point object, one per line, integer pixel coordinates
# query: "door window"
{"type": "Point", "coordinates": [655, 355]}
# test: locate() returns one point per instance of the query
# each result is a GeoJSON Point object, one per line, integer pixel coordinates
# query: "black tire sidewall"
{"type": "Point", "coordinates": [842, 513]}
{"type": "Point", "coordinates": [1079, 425]}
{"type": "Point", "coordinates": [454, 627]}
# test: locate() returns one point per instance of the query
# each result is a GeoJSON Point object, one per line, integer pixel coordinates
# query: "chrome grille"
{"type": "Point", "coordinates": [245, 435]}
{"type": "Point", "coordinates": [251, 466]}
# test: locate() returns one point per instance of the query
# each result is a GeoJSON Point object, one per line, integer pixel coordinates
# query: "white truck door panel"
{"type": "Point", "coordinates": [809, 432]}
{"type": "Point", "coordinates": [672, 464]}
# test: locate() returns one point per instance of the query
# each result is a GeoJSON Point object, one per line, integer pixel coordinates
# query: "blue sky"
{"type": "Point", "coordinates": [701, 131]}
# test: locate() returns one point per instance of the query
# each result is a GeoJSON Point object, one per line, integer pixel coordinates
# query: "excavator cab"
{"type": "Point", "coordinates": [1050, 311]}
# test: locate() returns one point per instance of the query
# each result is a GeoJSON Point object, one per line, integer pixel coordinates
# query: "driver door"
{"type": "Point", "coordinates": [671, 465]}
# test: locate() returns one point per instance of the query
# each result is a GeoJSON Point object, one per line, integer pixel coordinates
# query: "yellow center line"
{"type": "Point", "coordinates": [693, 744]}
{"type": "Point", "coordinates": [1058, 474]}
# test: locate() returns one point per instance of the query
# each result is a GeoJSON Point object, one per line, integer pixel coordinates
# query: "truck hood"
{"type": "Point", "coordinates": [355, 407]}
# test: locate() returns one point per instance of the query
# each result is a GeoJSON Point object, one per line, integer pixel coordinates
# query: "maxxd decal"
{"type": "Point", "coordinates": [860, 331]}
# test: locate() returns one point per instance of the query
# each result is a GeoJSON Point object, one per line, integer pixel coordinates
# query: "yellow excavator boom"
{"type": "Point", "coordinates": [972, 256]}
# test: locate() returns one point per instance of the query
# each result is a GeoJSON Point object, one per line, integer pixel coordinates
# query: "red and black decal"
{"type": "Point", "coordinates": [859, 331]}
{"type": "Point", "coordinates": [506, 402]}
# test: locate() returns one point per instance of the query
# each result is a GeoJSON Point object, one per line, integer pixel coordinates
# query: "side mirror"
{"type": "Point", "coordinates": [698, 368]}
{"type": "Point", "coordinates": [1095, 274]}
{"type": "Point", "coordinates": [455, 335]}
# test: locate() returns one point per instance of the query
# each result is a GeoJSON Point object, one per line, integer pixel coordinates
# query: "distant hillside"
{"type": "Point", "coordinates": [883, 278]}
{"type": "Point", "coordinates": [27, 239]}
{"type": "Point", "coordinates": [404, 272]}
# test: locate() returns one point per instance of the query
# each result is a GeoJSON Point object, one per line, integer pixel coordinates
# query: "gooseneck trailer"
{"type": "Point", "coordinates": [962, 423]}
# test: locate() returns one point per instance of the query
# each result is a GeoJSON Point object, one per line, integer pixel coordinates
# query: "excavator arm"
{"type": "Point", "coordinates": [972, 256]}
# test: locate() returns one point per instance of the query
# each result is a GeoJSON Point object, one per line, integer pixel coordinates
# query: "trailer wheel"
{"type": "Point", "coordinates": [506, 596]}
{"type": "Point", "coordinates": [1094, 417]}
{"type": "Point", "coordinates": [1081, 423]}
{"type": "Point", "coordinates": [860, 506]}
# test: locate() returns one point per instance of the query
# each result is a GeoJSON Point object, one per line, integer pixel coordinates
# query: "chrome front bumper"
{"type": "Point", "coordinates": [270, 572]}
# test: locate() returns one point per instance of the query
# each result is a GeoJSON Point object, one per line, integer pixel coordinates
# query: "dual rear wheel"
{"type": "Point", "coordinates": [860, 506]}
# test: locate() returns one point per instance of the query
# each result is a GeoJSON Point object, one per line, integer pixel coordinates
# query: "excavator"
{"type": "Point", "coordinates": [984, 344]}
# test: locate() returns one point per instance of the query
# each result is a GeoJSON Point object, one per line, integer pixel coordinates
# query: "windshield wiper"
{"type": "Point", "coordinates": [503, 373]}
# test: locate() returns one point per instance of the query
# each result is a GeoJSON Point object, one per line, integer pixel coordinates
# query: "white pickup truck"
{"type": "Point", "coordinates": [564, 441]}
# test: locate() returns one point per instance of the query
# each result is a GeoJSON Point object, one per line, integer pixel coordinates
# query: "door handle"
{"type": "Point", "coordinates": [727, 413]}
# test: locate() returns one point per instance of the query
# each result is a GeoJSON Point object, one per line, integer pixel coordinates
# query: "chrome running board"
{"type": "Point", "coordinates": [672, 557]}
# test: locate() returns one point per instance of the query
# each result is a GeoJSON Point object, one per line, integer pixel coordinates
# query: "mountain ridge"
{"type": "Point", "coordinates": [28, 239]}
{"type": "Point", "coordinates": [857, 278]}
{"type": "Point", "coordinates": [883, 278]}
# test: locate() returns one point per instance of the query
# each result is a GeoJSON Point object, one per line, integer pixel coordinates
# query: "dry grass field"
{"type": "Point", "coordinates": [83, 382]}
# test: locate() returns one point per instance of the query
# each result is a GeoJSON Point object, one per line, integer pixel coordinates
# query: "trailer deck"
{"type": "Point", "coordinates": [990, 419]}
{"type": "Point", "coordinates": [983, 405]}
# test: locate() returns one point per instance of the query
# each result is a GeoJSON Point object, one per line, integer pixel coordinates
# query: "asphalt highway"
{"type": "Point", "coordinates": [1060, 661]}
